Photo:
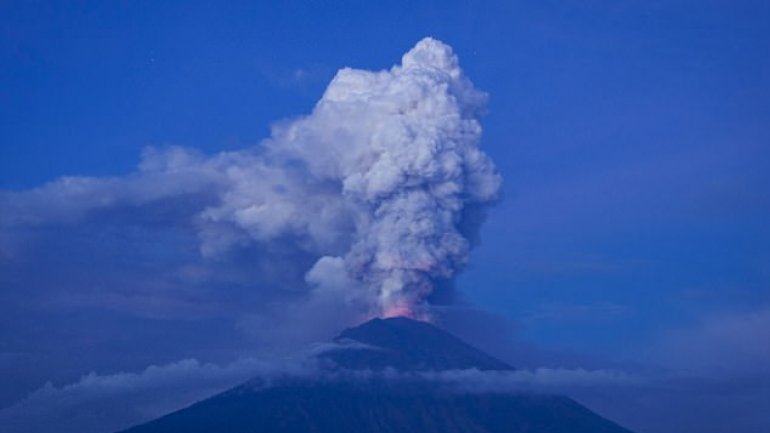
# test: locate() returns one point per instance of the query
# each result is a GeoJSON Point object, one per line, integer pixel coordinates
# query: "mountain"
{"type": "Point", "coordinates": [408, 345]}
{"type": "Point", "coordinates": [377, 403]}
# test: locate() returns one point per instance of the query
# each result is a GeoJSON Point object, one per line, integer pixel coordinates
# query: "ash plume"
{"type": "Point", "coordinates": [401, 148]}
{"type": "Point", "coordinates": [375, 185]}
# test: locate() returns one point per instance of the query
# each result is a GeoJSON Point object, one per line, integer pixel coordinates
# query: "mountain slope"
{"type": "Point", "coordinates": [348, 408]}
{"type": "Point", "coordinates": [380, 403]}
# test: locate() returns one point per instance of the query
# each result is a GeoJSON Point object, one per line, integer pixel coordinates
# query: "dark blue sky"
{"type": "Point", "coordinates": [633, 138]}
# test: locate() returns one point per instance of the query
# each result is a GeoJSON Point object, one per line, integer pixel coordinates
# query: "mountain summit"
{"type": "Point", "coordinates": [407, 345]}
{"type": "Point", "coordinates": [382, 403]}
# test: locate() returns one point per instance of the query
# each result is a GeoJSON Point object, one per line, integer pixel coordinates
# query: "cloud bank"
{"type": "Point", "coordinates": [105, 403]}
{"type": "Point", "coordinates": [378, 188]}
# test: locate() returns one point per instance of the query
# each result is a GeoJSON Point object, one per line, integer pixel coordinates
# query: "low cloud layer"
{"type": "Point", "coordinates": [106, 403]}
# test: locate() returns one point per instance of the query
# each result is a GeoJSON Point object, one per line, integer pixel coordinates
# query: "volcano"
{"type": "Point", "coordinates": [362, 401]}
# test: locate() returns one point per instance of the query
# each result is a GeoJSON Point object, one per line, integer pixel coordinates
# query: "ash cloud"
{"type": "Point", "coordinates": [374, 189]}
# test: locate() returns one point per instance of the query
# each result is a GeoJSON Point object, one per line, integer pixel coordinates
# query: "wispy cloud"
{"type": "Point", "coordinates": [105, 403]}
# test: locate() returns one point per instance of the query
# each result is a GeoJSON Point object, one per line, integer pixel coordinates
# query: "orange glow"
{"type": "Point", "coordinates": [405, 310]}
{"type": "Point", "coordinates": [397, 310]}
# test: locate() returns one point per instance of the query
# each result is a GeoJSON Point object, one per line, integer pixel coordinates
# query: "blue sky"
{"type": "Point", "coordinates": [631, 136]}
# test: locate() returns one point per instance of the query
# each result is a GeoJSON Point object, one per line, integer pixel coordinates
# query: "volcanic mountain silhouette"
{"type": "Point", "coordinates": [377, 403]}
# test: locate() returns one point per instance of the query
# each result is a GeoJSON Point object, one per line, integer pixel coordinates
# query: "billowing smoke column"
{"type": "Point", "coordinates": [374, 186]}
{"type": "Point", "coordinates": [386, 164]}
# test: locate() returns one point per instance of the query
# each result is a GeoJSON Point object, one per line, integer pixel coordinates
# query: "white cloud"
{"type": "Point", "coordinates": [106, 403]}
